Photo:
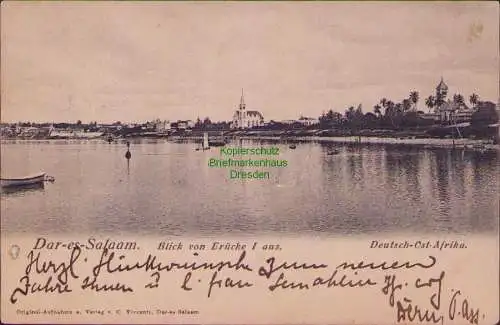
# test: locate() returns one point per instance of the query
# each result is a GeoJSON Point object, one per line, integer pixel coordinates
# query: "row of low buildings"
{"type": "Point", "coordinates": [447, 111]}
{"type": "Point", "coordinates": [242, 119]}
{"type": "Point", "coordinates": [167, 126]}
{"type": "Point", "coordinates": [44, 132]}
{"type": "Point", "coordinates": [85, 132]}
{"type": "Point", "coordinates": [250, 121]}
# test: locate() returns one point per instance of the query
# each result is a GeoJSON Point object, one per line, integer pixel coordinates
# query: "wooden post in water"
{"type": "Point", "coordinates": [454, 125]}
{"type": "Point", "coordinates": [128, 155]}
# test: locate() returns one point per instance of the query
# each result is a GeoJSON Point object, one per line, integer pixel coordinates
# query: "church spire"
{"type": "Point", "coordinates": [242, 100]}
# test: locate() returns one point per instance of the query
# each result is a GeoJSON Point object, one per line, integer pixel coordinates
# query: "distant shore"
{"type": "Point", "coordinates": [479, 144]}
{"type": "Point", "coordinates": [427, 142]}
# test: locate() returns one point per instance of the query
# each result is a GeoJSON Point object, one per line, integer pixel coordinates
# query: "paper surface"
{"type": "Point", "coordinates": [250, 163]}
{"type": "Point", "coordinates": [323, 281]}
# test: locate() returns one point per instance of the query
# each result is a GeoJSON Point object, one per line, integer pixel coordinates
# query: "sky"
{"type": "Point", "coordinates": [132, 62]}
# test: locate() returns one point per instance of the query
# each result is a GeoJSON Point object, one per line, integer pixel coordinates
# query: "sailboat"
{"type": "Point", "coordinates": [205, 145]}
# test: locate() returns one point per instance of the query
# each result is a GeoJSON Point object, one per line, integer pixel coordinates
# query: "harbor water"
{"type": "Point", "coordinates": [169, 189]}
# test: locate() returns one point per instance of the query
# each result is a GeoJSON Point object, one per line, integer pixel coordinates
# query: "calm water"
{"type": "Point", "coordinates": [169, 189]}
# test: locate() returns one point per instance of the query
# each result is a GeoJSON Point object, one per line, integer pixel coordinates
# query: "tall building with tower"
{"type": "Point", "coordinates": [448, 110]}
{"type": "Point", "coordinates": [441, 92]}
{"type": "Point", "coordinates": [244, 119]}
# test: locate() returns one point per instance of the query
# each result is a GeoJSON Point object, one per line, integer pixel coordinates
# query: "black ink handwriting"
{"type": "Point", "coordinates": [285, 266]}
{"type": "Point", "coordinates": [385, 265]}
{"type": "Point", "coordinates": [471, 315]}
{"type": "Point", "coordinates": [91, 284]}
{"type": "Point", "coordinates": [47, 287]}
{"type": "Point", "coordinates": [436, 297]}
{"type": "Point", "coordinates": [390, 288]}
{"type": "Point", "coordinates": [62, 272]}
{"type": "Point", "coordinates": [109, 263]}
{"type": "Point", "coordinates": [343, 282]}
{"type": "Point", "coordinates": [282, 283]}
{"type": "Point", "coordinates": [226, 283]}
{"type": "Point", "coordinates": [413, 312]}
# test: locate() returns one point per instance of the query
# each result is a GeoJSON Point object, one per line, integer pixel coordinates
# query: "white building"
{"type": "Point", "coordinates": [243, 119]}
{"type": "Point", "coordinates": [184, 125]}
{"type": "Point", "coordinates": [73, 134]}
{"type": "Point", "coordinates": [162, 126]}
{"type": "Point", "coordinates": [308, 121]}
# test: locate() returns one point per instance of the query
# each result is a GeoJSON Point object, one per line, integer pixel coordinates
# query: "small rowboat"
{"type": "Point", "coordinates": [216, 143]}
{"type": "Point", "coordinates": [28, 180]}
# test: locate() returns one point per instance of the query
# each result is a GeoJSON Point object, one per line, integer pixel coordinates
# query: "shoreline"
{"type": "Point", "coordinates": [358, 140]}
{"type": "Point", "coordinates": [385, 140]}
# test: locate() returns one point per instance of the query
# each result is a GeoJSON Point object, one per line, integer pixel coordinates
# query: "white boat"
{"type": "Point", "coordinates": [205, 146]}
{"type": "Point", "coordinates": [28, 180]}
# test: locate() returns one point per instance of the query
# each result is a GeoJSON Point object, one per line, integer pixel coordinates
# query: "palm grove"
{"type": "Point", "coordinates": [405, 114]}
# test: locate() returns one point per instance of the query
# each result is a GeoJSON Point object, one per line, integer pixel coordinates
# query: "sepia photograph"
{"type": "Point", "coordinates": [358, 135]}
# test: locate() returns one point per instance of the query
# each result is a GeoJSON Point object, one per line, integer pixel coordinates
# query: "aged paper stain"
{"type": "Point", "coordinates": [475, 31]}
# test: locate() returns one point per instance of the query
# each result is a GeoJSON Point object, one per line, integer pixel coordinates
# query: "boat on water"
{"type": "Point", "coordinates": [23, 181]}
{"type": "Point", "coordinates": [217, 141]}
{"type": "Point", "coordinates": [333, 152]}
{"type": "Point", "coordinates": [206, 144]}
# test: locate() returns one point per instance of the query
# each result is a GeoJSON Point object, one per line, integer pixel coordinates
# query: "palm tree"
{"type": "Point", "coordinates": [414, 97]}
{"type": "Point", "coordinates": [474, 99]}
{"type": "Point", "coordinates": [459, 100]}
{"type": "Point", "coordinates": [390, 106]}
{"type": "Point", "coordinates": [377, 111]}
{"type": "Point", "coordinates": [359, 110]}
{"type": "Point", "coordinates": [383, 102]}
{"type": "Point", "coordinates": [349, 113]}
{"type": "Point", "coordinates": [406, 105]}
{"type": "Point", "coordinates": [430, 102]}
{"type": "Point", "coordinates": [398, 108]}
{"type": "Point", "coordinates": [390, 110]}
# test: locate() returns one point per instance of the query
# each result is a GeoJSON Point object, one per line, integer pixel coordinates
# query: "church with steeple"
{"type": "Point", "coordinates": [244, 119]}
{"type": "Point", "coordinates": [447, 109]}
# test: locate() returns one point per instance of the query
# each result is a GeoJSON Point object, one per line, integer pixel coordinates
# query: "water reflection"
{"type": "Point", "coordinates": [355, 168]}
{"type": "Point", "coordinates": [22, 190]}
{"type": "Point", "coordinates": [168, 188]}
{"type": "Point", "coordinates": [410, 165]}
{"type": "Point", "coordinates": [458, 172]}
{"type": "Point", "coordinates": [442, 179]}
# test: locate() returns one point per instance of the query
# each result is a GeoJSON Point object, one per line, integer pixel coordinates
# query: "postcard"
{"type": "Point", "coordinates": [249, 162]}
